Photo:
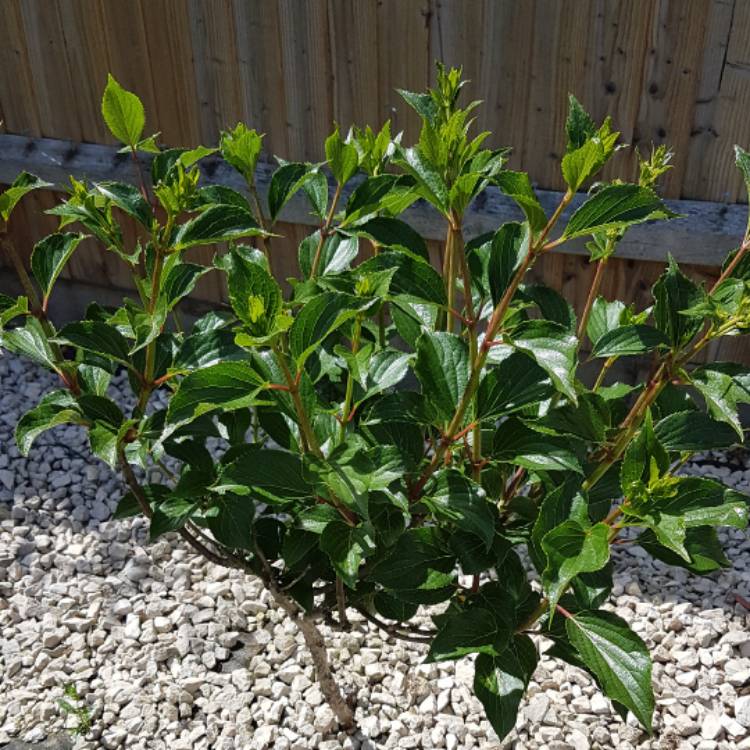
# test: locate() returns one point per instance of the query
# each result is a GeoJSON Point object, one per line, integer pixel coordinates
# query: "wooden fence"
{"type": "Point", "coordinates": [674, 71]}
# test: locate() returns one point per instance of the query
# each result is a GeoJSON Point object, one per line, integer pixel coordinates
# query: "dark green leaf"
{"type": "Point", "coordinates": [472, 631]}
{"type": "Point", "coordinates": [701, 544]}
{"type": "Point", "coordinates": [674, 292]}
{"type": "Point", "coordinates": [29, 340]}
{"type": "Point", "coordinates": [272, 475]}
{"type": "Point", "coordinates": [515, 443]}
{"type": "Point", "coordinates": [129, 199]}
{"type": "Point", "coordinates": [723, 385]}
{"type": "Point", "coordinates": [694, 431]}
{"type": "Point", "coordinates": [180, 281]}
{"type": "Point", "coordinates": [346, 547]}
{"type": "Point", "coordinates": [229, 385]}
{"type": "Point", "coordinates": [218, 223]}
{"type": "Point", "coordinates": [442, 367]}
{"type": "Point", "coordinates": [336, 254]}
{"type": "Point", "coordinates": [616, 207]}
{"type": "Point", "coordinates": [395, 234]}
{"type": "Point", "coordinates": [99, 338]}
{"type": "Point", "coordinates": [254, 294]}
{"type": "Point", "coordinates": [572, 549]}
{"type": "Point", "coordinates": [553, 348]}
{"type": "Point", "coordinates": [516, 382]}
{"type": "Point", "coordinates": [49, 257]}
{"type": "Point", "coordinates": [456, 499]}
{"type": "Point", "coordinates": [510, 246]}
{"type": "Point", "coordinates": [231, 521]}
{"type": "Point", "coordinates": [625, 340]}
{"type": "Point", "coordinates": [517, 185]}
{"type": "Point", "coordinates": [55, 408]}
{"type": "Point", "coordinates": [617, 657]}
{"type": "Point", "coordinates": [500, 682]}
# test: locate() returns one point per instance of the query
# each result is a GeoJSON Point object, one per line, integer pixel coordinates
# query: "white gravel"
{"type": "Point", "coordinates": [171, 652]}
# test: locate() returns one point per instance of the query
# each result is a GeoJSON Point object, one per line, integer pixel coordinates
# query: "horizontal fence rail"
{"type": "Point", "coordinates": [703, 236]}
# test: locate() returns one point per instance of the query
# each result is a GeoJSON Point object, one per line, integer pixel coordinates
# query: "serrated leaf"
{"type": "Point", "coordinates": [231, 521]}
{"type": "Point", "coordinates": [123, 112]}
{"type": "Point", "coordinates": [342, 157]}
{"type": "Point", "coordinates": [673, 293]}
{"type": "Point", "coordinates": [510, 245]}
{"type": "Point", "coordinates": [517, 186]}
{"type": "Point", "coordinates": [227, 385]}
{"type": "Point", "coordinates": [455, 499]}
{"type": "Point", "coordinates": [572, 549]}
{"type": "Point", "coordinates": [346, 547]}
{"type": "Point", "coordinates": [98, 338]}
{"type": "Point", "coordinates": [475, 630]}
{"type": "Point", "coordinates": [129, 199]}
{"type": "Point", "coordinates": [319, 318]}
{"type": "Point", "coordinates": [49, 256]}
{"type": "Point", "coordinates": [701, 544]}
{"type": "Point", "coordinates": [500, 682]}
{"type": "Point", "coordinates": [554, 349]}
{"type": "Point", "coordinates": [24, 183]}
{"type": "Point", "coordinates": [627, 340]}
{"type": "Point", "coordinates": [518, 444]}
{"type": "Point", "coordinates": [286, 182]}
{"type": "Point", "coordinates": [253, 293]}
{"type": "Point", "coordinates": [218, 223]}
{"type": "Point", "coordinates": [11, 308]}
{"type": "Point", "coordinates": [55, 408]}
{"type": "Point", "coordinates": [271, 475]}
{"type": "Point", "coordinates": [442, 367]}
{"type": "Point", "coordinates": [616, 207]}
{"type": "Point", "coordinates": [618, 658]}
{"type": "Point", "coordinates": [395, 234]}
{"type": "Point", "coordinates": [241, 148]}
{"type": "Point", "coordinates": [516, 382]}
{"type": "Point", "coordinates": [29, 340]}
{"type": "Point", "coordinates": [694, 431]}
{"type": "Point", "coordinates": [336, 254]}
{"type": "Point", "coordinates": [723, 385]}
{"type": "Point", "coordinates": [180, 281]}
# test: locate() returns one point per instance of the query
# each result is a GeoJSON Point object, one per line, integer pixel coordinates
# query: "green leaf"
{"type": "Point", "coordinates": [442, 368]}
{"type": "Point", "coordinates": [24, 183]}
{"type": "Point", "coordinates": [420, 560]}
{"type": "Point", "coordinates": [231, 521]}
{"type": "Point", "coordinates": [630, 339]}
{"type": "Point", "coordinates": [346, 547]}
{"type": "Point", "coordinates": [12, 308]}
{"type": "Point", "coordinates": [229, 385]}
{"type": "Point", "coordinates": [287, 181]}
{"type": "Point", "coordinates": [673, 293]}
{"type": "Point", "coordinates": [271, 475]}
{"type": "Point", "coordinates": [518, 444]}
{"type": "Point", "coordinates": [342, 157]}
{"type": "Point", "coordinates": [205, 349]}
{"type": "Point", "coordinates": [336, 254]}
{"type": "Point", "coordinates": [413, 278]}
{"type": "Point", "coordinates": [616, 207]}
{"type": "Point", "coordinates": [554, 349]}
{"type": "Point", "coordinates": [99, 338]}
{"type": "Point", "coordinates": [129, 506]}
{"type": "Point", "coordinates": [572, 549]}
{"type": "Point", "coordinates": [742, 160]}
{"type": "Point", "coordinates": [587, 153]}
{"type": "Point", "coordinates": [456, 499]}
{"type": "Point", "coordinates": [180, 281]}
{"type": "Point", "coordinates": [510, 246]}
{"type": "Point", "coordinates": [579, 126]}
{"type": "Point", "coordinates": [723, 385]}
{"type": "Point", "coordinates": [55, 408]}
{"type": "Point", "coordinates": [429, 181]}
{"type": "Point", "coordinates": [501, 681]}
{"type": "Point", "coordinates": [471, 631]}
{"type": "Point", "coordinates": [253, 293]}
{"type": "Point", "coordinates": [123, 113]}
{"type": "Point", "coordinates": [49, 256]}
{"type": "Point", "coordinates": [516, 382]}
{"type": "Point", "coordinates": [321, 316]}
{"type": "Point", "coordinates": [617, 657]}
{"type": "Point", "coordinates": [241, 148]}
{"type": "Point", "coordinates": [588, 420]}
{"type": "Point", "coordinates": [693, 431]}
{"type": "Point", "coordinates": [219, 223]}
{"type": "Point", "coordinates": [517, 186]}
{"type": "Point", "coordinates": [701, 544]}
{"type": "Point", "coordinates": [129, 199]}
{"type": "Point", "coordinates": [395, 234]}
{"type": "Point", "coordinates": [29, 340]}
